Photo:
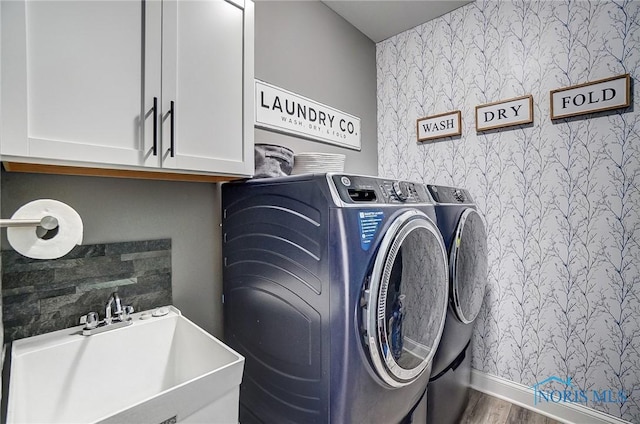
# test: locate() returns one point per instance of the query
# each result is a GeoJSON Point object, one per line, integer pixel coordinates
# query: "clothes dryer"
{"type": "Point", "coordinates": [335, 292]}
{"type": "Point", "coordinates": [465, 237]}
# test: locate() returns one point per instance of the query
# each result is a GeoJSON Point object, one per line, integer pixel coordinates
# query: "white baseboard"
{"type": "Point", "coordinates": [523, 396]}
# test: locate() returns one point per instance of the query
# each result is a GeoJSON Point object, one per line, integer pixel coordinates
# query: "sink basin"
{"type": "Point", "coordinates": [159, 370]}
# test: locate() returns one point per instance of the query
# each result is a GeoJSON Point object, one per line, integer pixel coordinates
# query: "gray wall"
{"type": "Point", "coordinates": [307, 48]}
{"type": "Point", "coordinates": [115, 210]}
{"type": "Point", "coordinates": [300, 46]}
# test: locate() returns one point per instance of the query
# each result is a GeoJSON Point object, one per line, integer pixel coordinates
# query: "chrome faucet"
{"type": "Point", "coordinates": [116, 316]}
{"type": "Point", "coordinates": [113, 308]}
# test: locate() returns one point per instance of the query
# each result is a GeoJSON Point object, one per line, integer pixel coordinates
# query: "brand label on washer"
{"type": "Point", "coordinates": [369, 223]}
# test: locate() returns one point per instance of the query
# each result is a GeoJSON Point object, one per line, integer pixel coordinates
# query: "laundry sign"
{"type": "Point", "coordinates": [505, 113]}
{"type": "Point", "coordinates": [596, 96]}
{"type": "Point", "coordinates": [281, 110]}
{"type": "Point", "coordinates": [437, 126]}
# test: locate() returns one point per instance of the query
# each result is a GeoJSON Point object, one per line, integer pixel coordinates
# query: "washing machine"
{"type": "Point", "coordinates": [335, 292]}
{"type": "Point", "coordinates": [464, 233]}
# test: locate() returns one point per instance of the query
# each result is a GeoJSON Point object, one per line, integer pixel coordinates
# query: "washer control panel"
{"type": "Point", "coordinates": [444, 194]}
{"type": "Point", "coordinates": [362, 189]}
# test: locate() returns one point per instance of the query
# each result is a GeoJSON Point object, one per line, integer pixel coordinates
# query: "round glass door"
{"type": "Point", "coordinates": [468, 266]}
{"type": "Point", "coordinates": [406, 299]}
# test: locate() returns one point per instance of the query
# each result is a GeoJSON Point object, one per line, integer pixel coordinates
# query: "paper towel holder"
{"type": "Point", "coordinates": [47, 222]}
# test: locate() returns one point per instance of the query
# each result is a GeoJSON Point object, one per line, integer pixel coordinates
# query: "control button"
{"type": "Point", "coordinates": [398, 191]}
{"type": "Point", "coordinates": [458, 195]}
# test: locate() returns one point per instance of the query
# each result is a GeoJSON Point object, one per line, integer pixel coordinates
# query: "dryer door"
{"type": "Point", "coordinates": [468, 266]}
{"type": "Point", "coordinates": [406, 299]}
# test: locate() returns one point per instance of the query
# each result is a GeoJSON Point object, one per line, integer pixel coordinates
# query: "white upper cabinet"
{"type": "Point", "coordinates": [155, 85]}
{"type": "Point", "coordinates": [74, 85]}
{"type": "Point", "coordinates": [202, 76]}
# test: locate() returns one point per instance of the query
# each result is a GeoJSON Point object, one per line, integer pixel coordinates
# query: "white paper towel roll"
{"type": "Point", "coordinates": [25, 240]}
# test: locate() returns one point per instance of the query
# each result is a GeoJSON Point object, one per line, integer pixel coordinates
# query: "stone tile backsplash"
{"type": "Point", "coordinates": [39, 296]}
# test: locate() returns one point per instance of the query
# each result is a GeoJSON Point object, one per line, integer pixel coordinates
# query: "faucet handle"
{"type": "Point", "coordinates": [90, 320]}
{"type": "Point", "coordinates": [113, 309]}
{"type": "Point", "coordinates": [117, 303]}
{"type": "Point", "coordinates": [126, 311]}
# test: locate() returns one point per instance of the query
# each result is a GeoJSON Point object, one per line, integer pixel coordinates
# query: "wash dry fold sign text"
{"type": "Point", "coordinates": [437, 126]}
{"type": "Point", "coordinates": [504, 113]}
{"type": "Point", "coordinates": [284, 111]}
{"type": "Point", "coordinates": [596, 96]}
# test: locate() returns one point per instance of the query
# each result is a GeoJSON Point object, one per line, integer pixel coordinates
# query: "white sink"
{"type": "Point", "coordinates": [157, 370]}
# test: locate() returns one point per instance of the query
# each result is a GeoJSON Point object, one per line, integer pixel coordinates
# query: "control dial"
{"type": "Point", "coordinates": [459, 195]}
{"type": "Point", "coordinates": [399, 191]}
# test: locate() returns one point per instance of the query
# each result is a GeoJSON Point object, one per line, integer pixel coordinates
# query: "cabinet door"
{"type": "Point", "coordinates": [78, 80]}
{"type": "Point", "coordinates": [207, 86]}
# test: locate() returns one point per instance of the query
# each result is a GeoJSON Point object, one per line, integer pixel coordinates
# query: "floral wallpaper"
{"type": "Point", "coordinates": [561, 199]}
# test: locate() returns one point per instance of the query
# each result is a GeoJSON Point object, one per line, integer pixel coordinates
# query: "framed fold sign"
{"type": "Point", "coordinates": [438, 126]}
{"type": "Point", "coordinates": [596, 96]}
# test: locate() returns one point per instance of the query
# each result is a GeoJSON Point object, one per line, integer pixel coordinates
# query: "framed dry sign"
{"type": "Point", "coordinates": [505, 113]}
{"type": "Point", "coordinates": [437, 126]}
{"type": "Point", "coordinates": [596, 96]}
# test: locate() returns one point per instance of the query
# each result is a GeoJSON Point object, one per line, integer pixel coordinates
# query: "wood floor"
{"type": "Point", "coordinates": [485, 409]}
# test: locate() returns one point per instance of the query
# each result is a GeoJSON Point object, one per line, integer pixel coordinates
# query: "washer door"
{"type": "Point", "coordinates": [406, 299]}
{"type": "Point", "coordinates": [468, 266]}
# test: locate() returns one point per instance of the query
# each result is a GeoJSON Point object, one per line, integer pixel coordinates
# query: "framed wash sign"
{"type": "Point", "coordinates": [283, 111]}
{"type": "Point", "coordinates": [505, 113]}
{"type": "Point", "coordinates": [438, 126]}
{"type": "Point", "coordinates": [596, 96]}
